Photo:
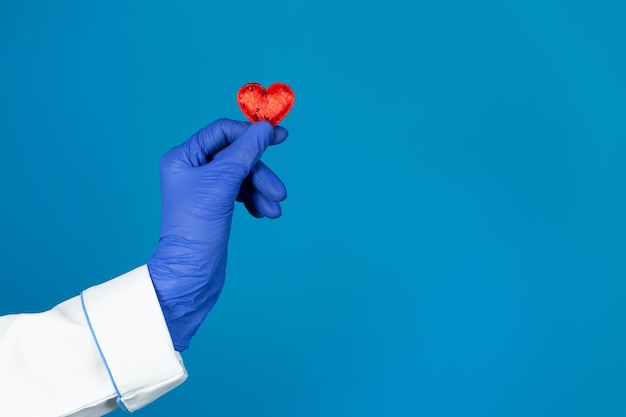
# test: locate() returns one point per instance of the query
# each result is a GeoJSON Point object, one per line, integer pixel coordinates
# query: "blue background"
{"type": "Point", "coordinates": [454, 238]}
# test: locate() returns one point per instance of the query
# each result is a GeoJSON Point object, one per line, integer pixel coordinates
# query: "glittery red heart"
{"type": "Point", "coordinates": [271, 104]}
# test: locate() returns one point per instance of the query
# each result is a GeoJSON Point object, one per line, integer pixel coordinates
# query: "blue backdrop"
{"type": "Point", "coordinates": [453, 242]}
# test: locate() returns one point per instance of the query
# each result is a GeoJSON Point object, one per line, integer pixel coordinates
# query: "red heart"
{"type": "Point", "coordinates": [271, 104]}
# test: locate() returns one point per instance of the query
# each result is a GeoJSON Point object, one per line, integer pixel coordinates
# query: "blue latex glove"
{"type": "Point", "coordinates": [200, 181]}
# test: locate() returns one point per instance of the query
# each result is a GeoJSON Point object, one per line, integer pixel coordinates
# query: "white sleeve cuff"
{"type": "Point", "coordinates": [128, 327]}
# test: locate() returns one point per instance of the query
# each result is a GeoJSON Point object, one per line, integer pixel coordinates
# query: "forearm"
{"type": "Point", "coordinates": [108, 346]}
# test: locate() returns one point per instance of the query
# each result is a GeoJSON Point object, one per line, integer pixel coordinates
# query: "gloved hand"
{"type": "Point", "coordinates": [200, 181]}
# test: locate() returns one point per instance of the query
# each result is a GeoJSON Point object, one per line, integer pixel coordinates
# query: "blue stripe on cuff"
{"type": "Point", "coordinates": [106, 365]}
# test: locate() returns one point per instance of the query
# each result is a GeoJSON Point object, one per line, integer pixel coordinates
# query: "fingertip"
{"type": "Point", "coordinates": [280, 135]}
{"type": "Point", "coordinates": [275, 213]}
{"type": "Point", "coordinates": [267, 182]}
{"type": "Point", "coordinates": [258, 204]}
{"type": "Point", "coordinates": [278, 192]}
{"type": "Point", "coordinates": [282, 196]}
{"type": "Point", "coordinates": [271, 209]}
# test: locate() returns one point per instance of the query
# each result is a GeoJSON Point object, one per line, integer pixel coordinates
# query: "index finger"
{"type": "Point", "coordinates": [204, 144]}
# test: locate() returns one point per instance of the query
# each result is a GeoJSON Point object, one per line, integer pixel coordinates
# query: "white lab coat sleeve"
{"type": "Point", "coordinates": [107, 348]}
